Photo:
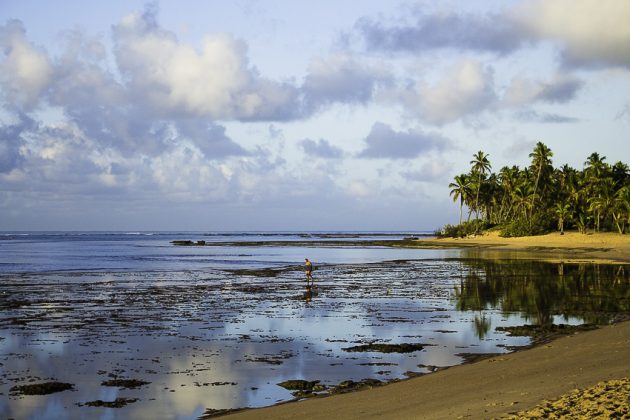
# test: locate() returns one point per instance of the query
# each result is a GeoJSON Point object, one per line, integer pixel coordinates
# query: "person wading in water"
{"type": "Point", "coordinates": [308, 266]}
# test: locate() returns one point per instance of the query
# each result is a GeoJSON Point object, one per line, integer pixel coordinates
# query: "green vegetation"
{"type": "Point", "coordinates": [542, 291]}
{"type": "Point", "coordinates": [540, 198]}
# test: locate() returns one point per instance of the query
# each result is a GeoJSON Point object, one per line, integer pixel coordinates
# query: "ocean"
{"type": "Point", "coordinates": [139, 327]}
{"type": "Point", "coordinates": [153, 251]}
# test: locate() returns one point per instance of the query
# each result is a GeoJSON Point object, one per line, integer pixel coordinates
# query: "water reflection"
{"type": "Point", "coordinates": [215, 339]}
{"type": "Point", "coordinates": [541, 290]}
{"type": "Point", "coordinates": [482, 325]}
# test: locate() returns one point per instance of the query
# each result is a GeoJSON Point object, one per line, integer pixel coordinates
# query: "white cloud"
{"type": "Point", "coordinates": [358, 189]}
{"type": "Point", "coordinates": [341, 78]}
{"type": "Point", "coordinates": [467, 88]}
{"type": "Point", "coordinates": [478, 32]}
{"type": "Point", "coordinates": [215, 81]}
{"type": "Point", "coordinates": [321, 148]}
{"type": "Point", "coordinates": [25, 72]}
{"type": "Point", "coordinates": [385, 142]}
{"type": "Point", "coordinates": [561, 89]}
{"type": "Point", "coordinates": [210, 138]}
{"type": "Point", "coordinates": [590, 32]}
{"type": "Point", "coordinates": [434, 170]}
{"type": "Point", "coordinates": [183, 174]}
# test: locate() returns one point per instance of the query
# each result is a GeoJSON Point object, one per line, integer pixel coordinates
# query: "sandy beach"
{"type": "Point", "coordinates": [571, 369]}
{"type": "Point", "coordinates": [573, 246]}
{"type": "Point", "coordinates": [490, 388]}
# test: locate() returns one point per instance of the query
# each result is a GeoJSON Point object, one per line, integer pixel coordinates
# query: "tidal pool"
{"type": "Point", "coordinates": [219, 339]}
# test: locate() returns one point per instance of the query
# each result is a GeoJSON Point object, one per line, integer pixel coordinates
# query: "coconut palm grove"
{"type": "Point", "coordinates": [541, 198]}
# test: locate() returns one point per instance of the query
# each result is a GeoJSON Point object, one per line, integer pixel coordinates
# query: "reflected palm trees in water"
{"type": "Point", "coordinates": [540, 291]}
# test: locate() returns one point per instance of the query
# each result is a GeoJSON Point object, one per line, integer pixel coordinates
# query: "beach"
{"type": "Point", "coordinates": [131, 325]}
{"type": "Point", "coordinates": [491, 388]}
{"type": "Point", "coordinates": [571, 369]}
{"type": "Point", "coordinates": [603, 247]}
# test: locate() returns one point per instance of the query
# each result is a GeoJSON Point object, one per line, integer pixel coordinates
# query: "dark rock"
{"type": "Point", "coordinates": [213, 412]}
{"type": "Point", "coordinates": [117, 403]}
{"type": "Point", "coordinates": [545, 333]}
{"type": "Point", "coordinates": [125, 383]}
{"type": "Point", "coordinates": [349, 385]}
{"type": "Point", "coordinates": [298, 385]}
{"type": "Point", "coordinates": [43, 388]}
{"type": "Point", "coordinates": [386, 348]}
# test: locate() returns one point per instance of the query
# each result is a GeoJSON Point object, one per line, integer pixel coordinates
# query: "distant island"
{"type": "Point", "coordinates": [540, 199]}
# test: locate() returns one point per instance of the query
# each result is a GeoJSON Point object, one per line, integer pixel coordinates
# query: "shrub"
{"type": "Point", "coordinates": [537, 225]}
{"type": "Point", "coordinates": [461, 231]}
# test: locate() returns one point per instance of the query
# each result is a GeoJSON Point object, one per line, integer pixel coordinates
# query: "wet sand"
{"type": "Point", "coordinates": [573, 246]}
{"type": "Point", "coordinates": [492, 388]}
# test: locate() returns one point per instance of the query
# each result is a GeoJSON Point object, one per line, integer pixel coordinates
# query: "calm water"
{"type": "Point", "coordinates": [219, 326]}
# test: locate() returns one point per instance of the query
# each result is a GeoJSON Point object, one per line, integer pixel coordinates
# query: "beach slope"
{"type": "Point", "coordinates": [490, 388]}
{"type": "Point", "coordinates": [603, 247]}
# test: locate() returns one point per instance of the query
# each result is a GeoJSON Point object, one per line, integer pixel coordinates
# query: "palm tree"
{"type": "Point", "coordinates": [594, 173]}
{"type": "Point", "coordinates": [620, 174]}
{"type": "Point", "coordinates": [600, 204]}
{"type": "Point", "coordinates": [460, 189]}
{"type": "Point", "coordinates": [520, 198]}
{"type": "Point", "coordinates": [563, 212]}
{"type": "Point", "coordinates": [509, 179]}
{"type": "Point", "coordinates": [621, 208]}
{"type": "Point", "coordinates": [541, 164]}
{"type": "Point", "coordinates": [480, 165]}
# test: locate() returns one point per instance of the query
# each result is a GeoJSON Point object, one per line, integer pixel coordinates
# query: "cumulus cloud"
{"type": "Point", "coordinates": [321, 148]}
{"type": "Point", "coordinates": [561, 89]}
{"type": "Point", "coordinates": [429, 171]}
{"type": "Point", "coordinates": [488, 32]}
{"type": "Point", "coordinates": [81, 76]}
{"type": "Point", "coordinates": [183, 174]}
{"type": "Point", "coordinates": [467, 88]}
{"type": "Point", "coordinates": [11, 143]}
{"type": "Point", "coordinates": [210, 138]}
{"type": "Point", "coordinates": [25, 71]}
{"type": "Point", "coordinates": [385, 142]}
{"type": "Point", "coordinates": [341, 78]}
{"type": "Point", "coordinates": [215, 81]}
{"type": "Point", "coordinates": [590, 32]}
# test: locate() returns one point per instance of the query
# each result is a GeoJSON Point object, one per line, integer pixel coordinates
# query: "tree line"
{"type": "Point", "coordinates": [540, 198]}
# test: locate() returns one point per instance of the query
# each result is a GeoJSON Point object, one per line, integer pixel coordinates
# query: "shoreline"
{"type": "Point", "coordinates": [498, 386]}
{"type": "Point", "coordinates": [501, 385]}
{"type": "Point", "coordinates": [572, 247]}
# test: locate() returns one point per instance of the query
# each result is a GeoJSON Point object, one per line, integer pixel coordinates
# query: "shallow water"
{"type": "Point", "coordinates": [222, 335]}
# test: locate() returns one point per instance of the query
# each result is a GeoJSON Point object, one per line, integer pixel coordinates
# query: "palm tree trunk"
{"type": "Point", "coordinates": [477, 199]}
{"type": "Point", "coordinates": [531, 210]}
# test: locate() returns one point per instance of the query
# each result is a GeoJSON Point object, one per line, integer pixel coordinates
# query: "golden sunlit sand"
{"type": "Point", "coordinates": [600, 247]}
{"type": "Point", "coordinates": [570, 373]}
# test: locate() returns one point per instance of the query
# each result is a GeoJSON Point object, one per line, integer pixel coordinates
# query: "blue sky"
{"type": "Point", "coordinates": [293, 115]}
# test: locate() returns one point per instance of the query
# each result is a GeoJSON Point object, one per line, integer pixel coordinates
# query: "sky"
{"type": "Point", "coordinates": [293, 115]}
